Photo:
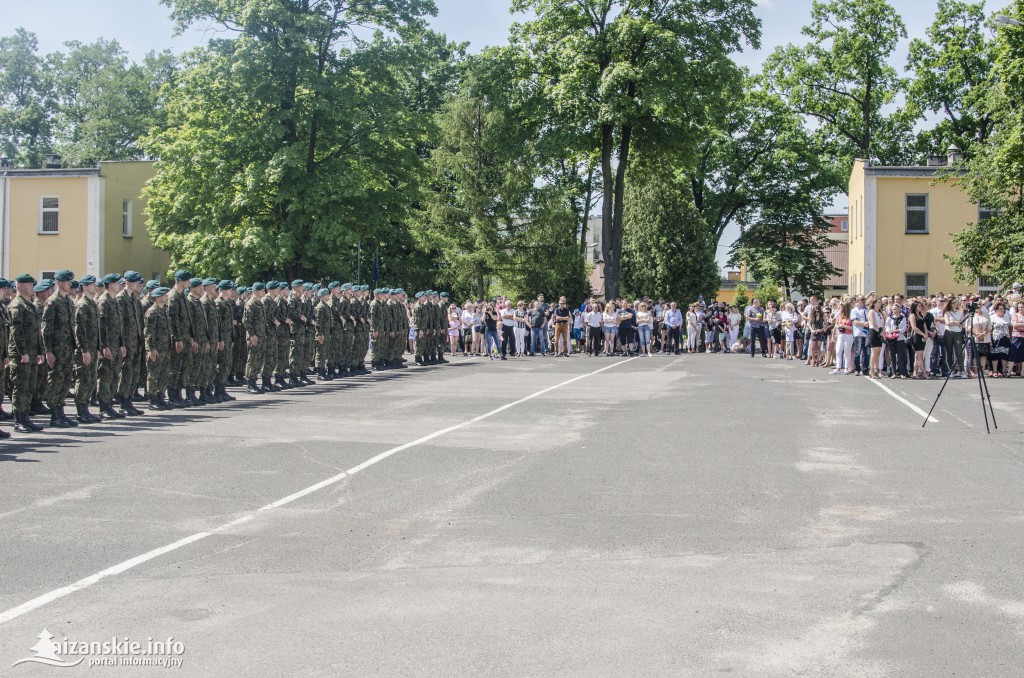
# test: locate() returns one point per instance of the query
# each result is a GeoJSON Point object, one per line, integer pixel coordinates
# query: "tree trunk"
{"type": "Point", "coordinates": [588, 197]}
{"type": "Point", "coordinates": [613, 265]}
{"type": "Point", "coordinates": [608, 181]}
{"type": "Point", "coordinates": [480, 284]}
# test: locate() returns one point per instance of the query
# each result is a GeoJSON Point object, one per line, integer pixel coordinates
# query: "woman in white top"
{"type": "Point", "coordinates": [953, 339]}
{"type": "Point", "coordinates": [1000, 339]}
{"type": "Point", "coordinates": [876, 327]}
{"type": "Point", "coordinates": [896, 341]}
{"type": "Point", "coordinates": [692, 329]}
{"type": "Point", "coordinates": [644, 325]}
{"type": "Point", "coordinates": [520, 328]}
{"type": "Point", "coordinates": [734, 325]}
{"type": "Point", "coordinates": [773, 318]}
{"type": "Point", "coordinates": [611, 328]}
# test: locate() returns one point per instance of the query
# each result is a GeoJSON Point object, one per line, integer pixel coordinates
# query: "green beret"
{"type": "Point", "coordinates": [316, 287]}
{"type": "Point", "coordinates": [209, 281]}
{"type": "Point", "coordinates": [25, 278]}
{"type": "Point", "coordinates": [225, 285]}
{"type": "Point", "coordinates": [75, 285]}
{"type": "Point", "coordinates": [322, 292]}
{"type": "Point", "coordinates": [159, 292]}
{"type": "Point", "coordinates": [110, 278]}
{"type": "Point", "coordinates": [298, 283]}
{"type": "Point", "coordinates": [307, 286]}
{"type": "Point", "coordinates": [418, 295]}
{"type": "Point", "coordinates": [43, 285]}
{"type": "Point", "coordinates": [271, 284]}
{"type": "Point", "coordinates": [258, 287]}
{"type": "Point", "coordinates": [182, 275]}
{"type": "Point", "coordinates": [444, 295]}
{"type": "Point", "coordinates": [242, 290]}
{"type": "Point", "coordinates": [152, 284]}
{"type": "Point", "coordinates": [333, 284]}
{"type": "Point", "coordinates": [195, 282]}
{"type": "Point", "coordinates": [87, 280]}
{"type": "Point", "coordinates": [346, 286]}
{"type": "Point", "coordinates": [133, 276]}
{"type": "Point", "coordinates": [64, 275]}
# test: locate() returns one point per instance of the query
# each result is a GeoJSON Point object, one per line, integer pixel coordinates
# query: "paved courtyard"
{"type": "Point", "coordinates": [682, 516]}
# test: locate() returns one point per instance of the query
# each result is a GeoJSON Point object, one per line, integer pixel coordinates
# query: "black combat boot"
{"type": "Point", "coordinates": [138, 397]}
{"type": "Point", "coordinates": [174, 399]}
{"type": "Point", "coordinates": [60, 410]}
{"type": "Point", "coordinates": [295, 383]}
{"type": "Point", "coordinates": [212, 395]}
{"type": "Point", "coordinates": [56, 421]}
{"type": "Point", "coordinates": [253, 388]}
{"type": "Point", "coordinates": [268, 385]}
{"type": "Point", "coordinates": [154, 404]}
{"type": "Point", "coordinates": [225, 397]}
{"type": "Point", "coordinates": [22, 424]}
{"type": "Point", "coordinates": [5, 415]}
{"type": "Point", "coordinates": [128, 407]}
{"type": "Point", "coordinates": [107, 412]}
{"type": "Point", "coordinates": [38, 407]}
{"type": "Point", "coordinates": [84, 415]}
{"type": "Point", "coordinates": [280, 383]}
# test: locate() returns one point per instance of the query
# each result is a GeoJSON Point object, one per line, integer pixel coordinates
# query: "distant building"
{"type": "Point", "coordinates": [90, 220]}
{"type": "Point", "coordinates": [902, 221]}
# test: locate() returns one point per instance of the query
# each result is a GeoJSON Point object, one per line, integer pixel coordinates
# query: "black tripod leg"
{"type": "Point", "coordinates": [981, 385]}
{"type": "Point", "coordinates": [929, 417]}
{"type": "Point", "coordinates": [988, 397]}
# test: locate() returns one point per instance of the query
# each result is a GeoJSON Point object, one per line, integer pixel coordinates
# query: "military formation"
{"type": "Point", "coordinates": [111, 342]}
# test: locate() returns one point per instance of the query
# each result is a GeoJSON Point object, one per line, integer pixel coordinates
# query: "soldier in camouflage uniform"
{"type": "Point", "coordinates": [5, 336]}
{"type": "Point", "coordinates": [184, 344]}
{"type": "Point", "coordinates": [58, 336]}
{"type": "Point", "coordinates": [131, 366]}
{"type": "Point", "coordinates": [44, 289]}
{"type": "Point", "coordinates": [208, 377]}
{"type": "Point", "coordinates": [334, 349]}
{"type": "Point", "coordinates": [112, 351]}
{"type": "Point", "coordinates": [275, 325]}
{"type": "Point", "coordinates": [362, 330]}
{"type": "Point", "coordinates": [308, 303]}
{"type": "Point", "coordinates": [87, 349]}
{"type": "Point", "coordinates": [348, 330]}
{"type": "Point", "coordinates": [442, 339]}
{"type": "Point", "coordinates": [201, 347]}
{"type": "Point", "coordinates": [324, 323]}
{"type": "Point", "coordinates": [239, 354]}
{"type": "Point", "coordinates": [158, 348]}
{"type": "Point", "coordinates": [296, 314]}
{"type": "Point", "coordinates": [254, 321]}
{"type": "Point", "coordinates": [145, 301]}
{"type": "Point", "coordinates": [377, 329]}
{"type": "Point", "coordinates": [226, 357]}
{"type": "Point", "coordinates": [23, 349]}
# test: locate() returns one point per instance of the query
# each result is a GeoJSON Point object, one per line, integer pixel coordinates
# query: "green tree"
{"type": "Point", "coordinates": [953, 71]}
{"type": "Point", "coordinates": [668, 249]}
{"type": "Point", "coordinates": [843, 79]}
{"type": "Point", "coordinates": [628, 75]}
{"type": "Point", "coordinates": [294, 141]}
{"type": "Point", "coordinates": [27, 102]}
{"type": "Point", "coordinates": [768, 290]}
{"type": "Point", "coordinates": [994, 175]}
{"type": "Point", "coordinates": [106, 104]}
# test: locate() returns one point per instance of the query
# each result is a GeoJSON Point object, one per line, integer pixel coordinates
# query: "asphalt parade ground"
{"type": "Point", "coordinates": [671, 516]}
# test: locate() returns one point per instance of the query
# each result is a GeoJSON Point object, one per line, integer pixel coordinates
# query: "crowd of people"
{"type": "Point", "coordinates": [865, 335]}
{"type": "Point", "coordinates": [102, 342]}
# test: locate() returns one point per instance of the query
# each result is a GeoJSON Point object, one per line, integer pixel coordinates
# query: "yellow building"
{"type": "Point", "coordinates": [902, 221]}
{"type": "Point", "coordinates": [89, 220]}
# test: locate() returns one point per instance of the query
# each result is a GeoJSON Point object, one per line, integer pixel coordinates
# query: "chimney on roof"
{"type": "Point", "coordinates": [52, 161]}
{"type": "Point", "coordinates": [5, 162]}
{"type": "Point", "coordinates": [936, 160]}
{"type": "Point", "coordinates": [955, 156]}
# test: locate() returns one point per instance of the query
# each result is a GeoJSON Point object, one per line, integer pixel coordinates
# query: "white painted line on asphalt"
{"type": "Point", "coordinates": [931, 420]}
{"type": "Point", "coordinates": [57, 594]}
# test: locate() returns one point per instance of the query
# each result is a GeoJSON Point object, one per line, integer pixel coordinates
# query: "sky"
{"type": "Point", "coordinates": [143, 25]}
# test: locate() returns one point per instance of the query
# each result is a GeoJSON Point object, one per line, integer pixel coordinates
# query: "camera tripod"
{"type": "Point", "coordinates": [986, 398]}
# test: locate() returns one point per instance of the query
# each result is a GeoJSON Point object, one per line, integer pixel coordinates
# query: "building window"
{"type": "Point", "coordinates": [988, 285]}
{"type": "Point", "coordinates": [916, 285]}
{"type": "Point", "coordinates": [985, 213]}
{"type": "Point", "coordinates": [844, 225]}
{"type": "Point", "coordinates": [47, 275]}
{"type": "Point", "coordinates": [49, 215]}
{"type": "Point", "coordinates": [917, 213]}
{"type": "Point", "coordinates": [126, 218]}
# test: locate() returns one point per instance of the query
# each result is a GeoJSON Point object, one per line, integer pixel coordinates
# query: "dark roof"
{"type": "Point", "coordinates": [62, 172]}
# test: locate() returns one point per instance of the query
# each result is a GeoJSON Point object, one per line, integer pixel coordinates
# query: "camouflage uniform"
{"type": "Point", "coordinates": [283, 338]}
{"type": "Point", "coordinates": [180, 320]}
{"type": "Point", "coordinates": [226, 357]}
{"type": "Point", "coordinates": [324, 320]}
{"type": "Point", "coordinates": [296, 313]}
{"type": "Point", "coordinates": [24, 340]}
{"type": "Point", "coordinates": [347, 331]}
{"type": "Point", "coordinates": [131, 366]}
{"type": "Point", "coordinates": [201, 334]}
{"type": "Point", "coordinates": [157, 337]}
{"type": "Point", "coordinates": [111, 330]}
{"type": "Point", "coordinates": [254, 321]}
{"type": "Point", "coordinates": [58, 335]}
{"type": "Point", "coordinates": [211, 312]}
{"type": "Point", "coordinates": [87, 340]}
{"type": "Point", "coordinates": [43, 370]}
{"type": "Point", "coordinates": [240, 350]}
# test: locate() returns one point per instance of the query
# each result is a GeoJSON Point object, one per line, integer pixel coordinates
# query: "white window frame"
{"type": "Point", "coordinates": [126, 219]}
{"type": "Point", "coordinates": [906, 285]}
{"type": "Point", "coordinates": [844, 225]}
{"type": "Point", "coordinates": [43, 211]}
{"type": "Point", "coordinates": [907, 209]}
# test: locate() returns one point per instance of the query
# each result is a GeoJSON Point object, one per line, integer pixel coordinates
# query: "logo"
{"type": "Point", "coordinates": [161, 653]}
{"type": "Point", "coordinates": [47, 652]}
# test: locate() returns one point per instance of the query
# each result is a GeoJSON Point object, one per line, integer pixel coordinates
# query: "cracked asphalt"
{"type": "Point", "coordinates": [679, 516]}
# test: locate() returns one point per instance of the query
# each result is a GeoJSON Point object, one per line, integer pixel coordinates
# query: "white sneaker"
{"type": "Point", "coordinates": [836, 372]}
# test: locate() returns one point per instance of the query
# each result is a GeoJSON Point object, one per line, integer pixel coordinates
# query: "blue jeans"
{"type": "Point", "coordinates": [860, 354]}
{"type": "Point", "coordinates": [491, 339]}
{"type": "Point", "coordinates": [537, 340]}
{"type": "Point", "coordinates": [645, 335]}
{"type": "Point", "coordinates": [757, 334]}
